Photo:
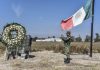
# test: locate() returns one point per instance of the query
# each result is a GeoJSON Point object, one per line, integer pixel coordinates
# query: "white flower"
{"type": "Point", "coordinates": [20, 34]}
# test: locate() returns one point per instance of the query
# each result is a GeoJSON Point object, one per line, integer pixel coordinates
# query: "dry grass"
{"type": "Point", "coordinates": [2, 48]}
{"type": "Point", "coordinates": [41, 46]}
{"type": "Point", "coordinates": [76, 47]}
{"type": "Point", "coordinates": [47, 60]}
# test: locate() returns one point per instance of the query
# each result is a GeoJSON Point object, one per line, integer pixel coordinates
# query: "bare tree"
{"type": "Point", "coordinates": [78, 39]}
{"type": "Point", "coordinates": [97, 39]}
{"type": "Point", "coordinates": [88, 38]}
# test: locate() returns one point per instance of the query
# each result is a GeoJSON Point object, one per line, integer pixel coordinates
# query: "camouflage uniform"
{"type": "Point", "coordinates": [67, 46]}
{"type": "Point", "coordinates": [11, 52]}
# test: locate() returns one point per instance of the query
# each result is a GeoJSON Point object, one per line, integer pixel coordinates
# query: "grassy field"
{"type": "Point", "coordinates": [76, 47]}
{"type": "Point", "coordinates": [48, 60]}
{"type": "Point", "coordinates": [2, 48]}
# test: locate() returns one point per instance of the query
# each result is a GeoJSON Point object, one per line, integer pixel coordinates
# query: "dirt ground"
{"type": "Point", "coordinates": [48, 60]}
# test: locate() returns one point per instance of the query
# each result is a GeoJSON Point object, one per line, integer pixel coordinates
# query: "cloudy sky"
{"type": "Point", "coordinates": [43, 17]}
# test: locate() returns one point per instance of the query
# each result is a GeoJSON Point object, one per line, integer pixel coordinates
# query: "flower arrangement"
{"type": "Point", "coordinates": [8, 37]}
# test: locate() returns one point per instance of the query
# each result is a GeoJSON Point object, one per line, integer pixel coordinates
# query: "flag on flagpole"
{"type": "Point", "coordinates": [67, 24]}
{"type": "Point", "coordinates": [75, 20]}
{"type": "Point", "coordinates": [82, 14]}
{"type": "Point", "coordinates": [88, 9]}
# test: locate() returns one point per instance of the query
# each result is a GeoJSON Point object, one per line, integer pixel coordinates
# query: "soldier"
{"type": "Point", "coordinates": [29, 43]}
{"type": "Point", "coordinates": [67, 46]}
{"type": "Point", "coordinates": [11, 52]}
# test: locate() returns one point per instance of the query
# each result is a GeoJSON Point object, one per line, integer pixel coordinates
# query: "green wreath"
{"type": "Point", "coordinates": [13, 39]}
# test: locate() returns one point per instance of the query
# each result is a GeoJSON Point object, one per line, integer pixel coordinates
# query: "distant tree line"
{"type": "Point", "coordinates": [87, 38]}
{"type": "Point", "coordinates": [73, 38]}
{"type": "Point", "coordinates": [76, 39]}
{"type": "Point", "coordinates": [97, 39]}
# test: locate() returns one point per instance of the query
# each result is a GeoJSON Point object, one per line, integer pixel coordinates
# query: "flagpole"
{"type": "Point", "coordinates": [91, 42]}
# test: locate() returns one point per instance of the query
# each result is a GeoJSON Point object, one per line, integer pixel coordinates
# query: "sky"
{"type": "Point", "coordinates": [42, 18]}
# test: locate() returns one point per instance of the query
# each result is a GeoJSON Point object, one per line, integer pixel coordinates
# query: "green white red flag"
{"type": "Point", "coordinates": [82, 14]}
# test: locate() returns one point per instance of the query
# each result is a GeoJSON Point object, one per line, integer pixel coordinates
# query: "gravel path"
{"type": "Point", "coordinates": [47, 60]}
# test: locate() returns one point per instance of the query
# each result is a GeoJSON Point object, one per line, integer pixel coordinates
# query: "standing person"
{"type": "Point", "coordinates": [11, 51]}
{"type": "Point", "coordinates": [28, 43]}
{"type": "Point", "coordinates": [67, 46]}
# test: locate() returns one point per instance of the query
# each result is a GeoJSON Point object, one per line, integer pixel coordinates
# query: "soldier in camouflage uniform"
{"type": "Point", "coordinates": [11, 51]}
{"type": "Point", "coordinates": [67, 46]}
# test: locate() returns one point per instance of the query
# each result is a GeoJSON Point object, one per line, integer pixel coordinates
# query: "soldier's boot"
{"type": "Point", "coordinates": [13, 55]}
{"type": "Point", "coordinates": [70, 58]}
{"type": "Point", "coordinates": [66, 60]}
{"type": "Point", "coordinates": [8, 56]}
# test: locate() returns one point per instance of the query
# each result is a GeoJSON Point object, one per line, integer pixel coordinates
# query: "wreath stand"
{"type": "Point", "coordinates": [16, 41]}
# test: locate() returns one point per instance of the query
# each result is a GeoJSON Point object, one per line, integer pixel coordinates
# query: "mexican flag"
{"type": "Point", "coordinates": [82, 14]}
